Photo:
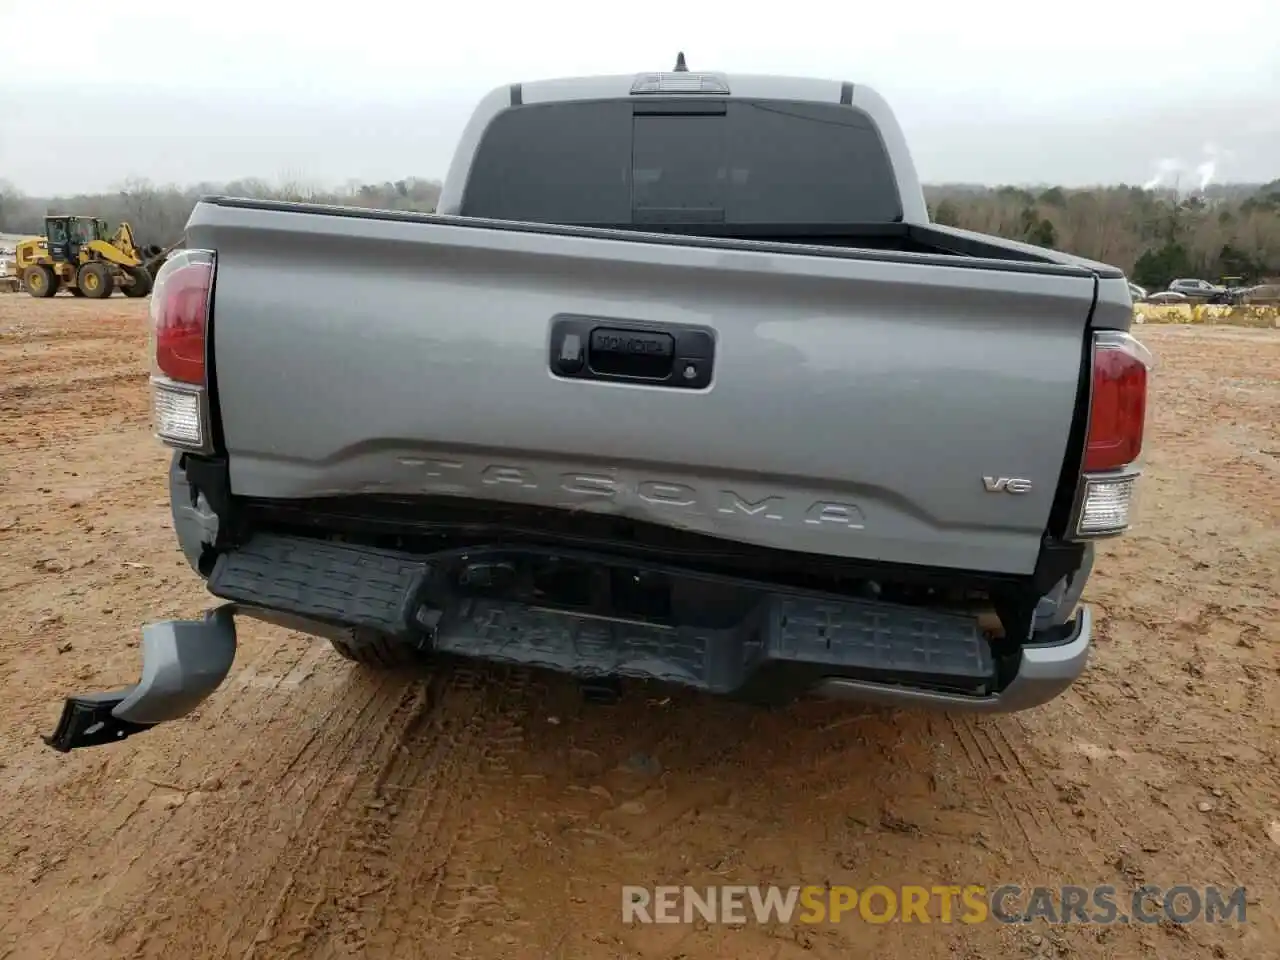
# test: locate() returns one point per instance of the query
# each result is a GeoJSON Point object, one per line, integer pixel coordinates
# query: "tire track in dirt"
{"type": "Point", "coordinates": [262, 676]}
{"type": "Point", "coordinates": [313, 745]}
{"type": "Point", "coordinates": [444, 838]}
{"type": "Point", "coordinates": [253, 849]}
{"type": "Point", "coordinates": [410, 806]}
{"type": "Point", "coordinates": [290, 887]}
{"type": "Point", "coordinates": [399, 845]}
{"type": "Point", "coordinates": [113, 823]}
{"type": "Point", "coordinates": [305, 891]}
{"type": "Point", "coordinates": [128, 337]}
{"type": "Point", "coordinates": [228, 839]}
{"type": "Point", "coordinates": [68, 427]}
{"type": "Point", "coordinates": [977, 767]}
{"type": "Point", "coordinates": [292, 920]}
{"type": "Point", "coordinates": [1031, 799]}
{"type": "Point", "coordinates": [20, 397]}
{"type": "Point", "coordinates": [1020, 793]}
{"type": "Point", "coordinates": [150, 822]}
{"type": "Point", "coordinates": [321, 771]}
{"type": "Point", "coordinates": [163, 836]}
{"type": "Point", "coordinates": [55, 357]}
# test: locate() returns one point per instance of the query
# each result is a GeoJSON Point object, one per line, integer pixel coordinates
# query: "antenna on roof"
{"type": "Point", "coordinates": [680, 64]}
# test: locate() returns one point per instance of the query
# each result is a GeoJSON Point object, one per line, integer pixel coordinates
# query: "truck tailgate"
{"type": "Point", "coordinates": [870, 407]}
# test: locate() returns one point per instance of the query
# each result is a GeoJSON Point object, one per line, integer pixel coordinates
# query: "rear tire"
{"type": "Point", "coordinates": [40, 281]}
{"type": "Point", "coordinates": [377, 651]}
{"type": "Point", "coordinates": [141, 285]}
{"type": "Point", "coordinates": [95, 280]}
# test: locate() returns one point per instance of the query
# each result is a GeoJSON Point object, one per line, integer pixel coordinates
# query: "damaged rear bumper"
{"type": "Point", "coordinates": [763, 644]}
{"type": "Point", "coordinates": [724, 636]}
{"type": "Point", "coordinates": [183, 662]}
{"type": "Point", "coordinates": [1044, 671]}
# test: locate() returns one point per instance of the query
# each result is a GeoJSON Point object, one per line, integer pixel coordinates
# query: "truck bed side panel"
{"type": "Point", "coordinates": [856, 408]}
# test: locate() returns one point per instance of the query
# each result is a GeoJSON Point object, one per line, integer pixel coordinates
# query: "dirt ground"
{"type": "Point", "coordinates": [311, 810]}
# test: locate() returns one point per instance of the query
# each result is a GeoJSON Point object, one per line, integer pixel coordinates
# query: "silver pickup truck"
{"type": "Point", "coordinates": [679, 383]}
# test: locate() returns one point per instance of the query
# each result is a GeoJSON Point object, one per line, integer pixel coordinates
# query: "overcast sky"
{"type": "Point", "coordinates": [989, 91]}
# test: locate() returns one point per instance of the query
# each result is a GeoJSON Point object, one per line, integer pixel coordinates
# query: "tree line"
{"type": "Point", "coordinates": [1155, 236]}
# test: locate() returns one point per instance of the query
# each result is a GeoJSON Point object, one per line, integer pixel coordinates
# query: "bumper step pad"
{"type": "Point", "coordinates": [385, 590]}
{"type": "Point", "coordinates": [838, 635]}
{"type": "Point", "coordinates": [331, 582]}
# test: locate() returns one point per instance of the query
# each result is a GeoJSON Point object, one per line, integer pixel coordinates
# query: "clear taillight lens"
{"type": "Point", "coordinates": [178, 413]}
{"type": "Point", "coordinates": [1106, 505]}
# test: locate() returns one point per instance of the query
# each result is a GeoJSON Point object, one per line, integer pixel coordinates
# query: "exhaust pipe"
{"type": "Point", "coordinates": [183, 662]}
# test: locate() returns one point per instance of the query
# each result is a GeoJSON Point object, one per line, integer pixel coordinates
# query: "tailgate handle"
{"type": "Point", "coordinates": [643, 354]}
{"type": "Point", "coordinates": [632, 351]}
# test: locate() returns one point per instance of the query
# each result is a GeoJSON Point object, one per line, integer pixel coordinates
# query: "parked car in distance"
{"type": "Point", "coordinates": [1207, 292]}
{"type": "Point", "coordinates": [1167, 296]}
{"type": "Point", "coordinates": [1137, 293]}
{"type": "Point", "coordinates": [1264, 293]}
{"type": "Point", "coordinates": [1197, 289]}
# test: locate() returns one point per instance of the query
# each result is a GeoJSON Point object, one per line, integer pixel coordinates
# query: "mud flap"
{"type": "Point", "coordinates": [183, 662]}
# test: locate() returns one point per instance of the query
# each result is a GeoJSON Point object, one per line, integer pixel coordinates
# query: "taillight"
{"type": "Point", "coordinates": [179, 323]}
{"type": "Point", "coordinates": [1113, 443]}
{"type": "Point", "coordinates": [180, 313]}
{"type": "Point", "coordinates": [1118, 404]}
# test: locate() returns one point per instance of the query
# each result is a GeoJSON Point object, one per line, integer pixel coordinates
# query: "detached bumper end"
{"type": "Point", "coordinates": [183, 662]}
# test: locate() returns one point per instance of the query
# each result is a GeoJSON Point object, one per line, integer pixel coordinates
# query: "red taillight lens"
{"type": "Point", "coordinates": [179, 315]}
{"type": "Point", "coordinates": [1118, 407]}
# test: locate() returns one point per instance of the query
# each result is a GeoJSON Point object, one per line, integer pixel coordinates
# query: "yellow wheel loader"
{"type": "Point", "coordinates": [79, 254]}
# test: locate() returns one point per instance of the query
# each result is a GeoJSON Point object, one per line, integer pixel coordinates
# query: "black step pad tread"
{"type": "Point", "coordinates": [593, 646]}
{"type": "Point", "coordinates": [881, 636]}
{"type": "Point", "coordinates": [854, 635]}
{"type": "Point", "coordinates": [381, 589]}
{"type": "Point", "coordinates": [355, 585]}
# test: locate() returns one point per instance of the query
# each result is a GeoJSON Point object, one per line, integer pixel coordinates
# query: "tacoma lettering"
{"type": "Point", "coordinates": [768, 508]}
{"type": "Point", "coordinates": [666, 494]}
